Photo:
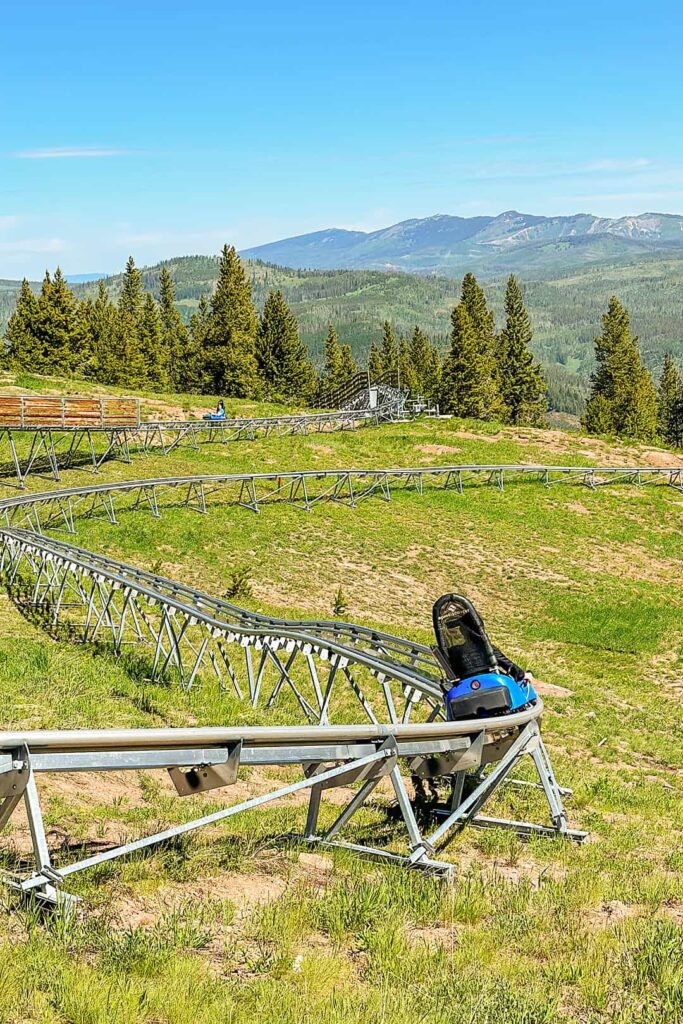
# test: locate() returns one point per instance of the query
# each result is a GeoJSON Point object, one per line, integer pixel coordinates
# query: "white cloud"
{"type": "Point", "coordinates": [70, 153]}
{"type": "Point", "coordinates": [33, 245]}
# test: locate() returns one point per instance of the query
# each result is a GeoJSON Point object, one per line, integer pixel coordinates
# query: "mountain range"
{"type": "Point", "coordinates": [490, 246]}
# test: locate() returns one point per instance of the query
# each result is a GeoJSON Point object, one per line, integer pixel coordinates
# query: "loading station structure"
{"type": "Point", "coordinates": [43, 434]}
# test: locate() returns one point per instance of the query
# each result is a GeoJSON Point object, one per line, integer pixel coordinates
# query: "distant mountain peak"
{"type": "Point", "coordinates": [489, 245]}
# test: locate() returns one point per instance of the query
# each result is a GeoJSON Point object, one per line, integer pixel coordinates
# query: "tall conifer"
{"type": "Point", "coordinates": [100, 317]}
{"type": "Point", "coordinates": [483, 327]}
{"type": "Point", "coordinates": [375, 368]}
{"type": "Point", "coordinates": [349, 366]}
{"type": "Point", "coordinates": [23, 350]}
{"type": "Point", "coordinates": [231, 341]}
{"type": "Point", "coordinates": [173, 331]}
{"type": "Point", "coordinates": [281, 356]}
{"type": "Point", "coordinates": [623, 398]}
{"type": "Point", "coordinates": [193, 374]}
{"type": "Point", "coordinates": [465, 382]}
{"type": "Point", "coordinates": [522, 383]}
{"type": "Point", "coordinates": [389, 349]}
{"type": "Point", "coordinates": [151, 346]}
{"type": "Point", "coordinates": [670, 404]}
{"type": "Point", "coordinates": [62, 328]}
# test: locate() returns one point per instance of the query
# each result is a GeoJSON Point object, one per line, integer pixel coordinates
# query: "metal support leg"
{"type": "Point", "coordinates": [39, 842]}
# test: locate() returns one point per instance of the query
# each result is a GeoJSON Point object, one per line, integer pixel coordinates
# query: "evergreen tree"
{"type": "Point", "coordinates": [670, 404]}
{"type": "Point", "coordinates": [174, 339]}
{"type": "Point", "coordinates": [100, 316]}
{"type": "Point", "coordinates": [425, 366]}
{"type": "Point", "coordinates": [193, 374]}
{"type": "Point", "coordinates": [151, 347]}
{"type": "Point", "coordinates": [406, 377]}
{"type": "Point", "coordinates": [62, 328]}
{"type": "Point", "coordinates": [281, 356]}
{"type": "Point", "coordinates": [23, 348]}
{"type": "Point", "coordinates": [332, 369]}
{"type": "Point", "coordinates": [128, 364]}
{"type": "Point", "coordinates": [132, 292]}
{"type": "Point", "coordinates": [349, 366]}
{"type": "Point", "coordinates": [465, 383]}
{"type": "Point", "coordinates": [231, 341]}
{"type": "Point", "coordinates": [623, 398]}
{"type": "Point", "coordinates": [522, 383]}
{"type": "Point", "coordinates": [483, 327]}
{"type": "Point", "coordinates": [389, 350]}
{"type": "Point", "coordinates": [375, 368]}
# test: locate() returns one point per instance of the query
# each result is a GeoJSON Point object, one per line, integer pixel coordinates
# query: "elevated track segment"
{"type": "Point", "coordinates": [45, 448]}
{"type": "Point", "coordinates": [59, 509]}
{"type": "Point", "coordinates": [325, 675]}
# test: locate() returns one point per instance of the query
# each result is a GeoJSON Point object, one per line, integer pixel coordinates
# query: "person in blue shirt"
{"type": "Point", "coordinates": [219, 414]}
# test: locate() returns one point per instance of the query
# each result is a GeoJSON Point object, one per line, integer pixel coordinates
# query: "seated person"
{"type": "Point", "coordinates": [219, 414]}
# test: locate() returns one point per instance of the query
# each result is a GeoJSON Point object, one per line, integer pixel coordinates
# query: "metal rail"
{"type": "Point", "coordinates": [49, 449]}
{"type": "Point", "coordinates": [301, 488]}
{"type": "Point", "coordinates": [319, 671]}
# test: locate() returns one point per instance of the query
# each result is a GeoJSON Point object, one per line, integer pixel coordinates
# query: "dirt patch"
{"type": "Point", "coordinates": [437, 449]}
{"type": "Point", "coordinates": [525, 870]}
{"type": "Point", "coordinates": [576, 506]}
{"type": "Point", "coordinates": [609, 913]}
{"type": "Point", "coordinates": [551, 689]}
{"type": "Point", "coordinates": [322, 449]}
{"type": "Point", "coordinates": [245, 890]}
{"type": "Point", "coordinates": [441, 936]}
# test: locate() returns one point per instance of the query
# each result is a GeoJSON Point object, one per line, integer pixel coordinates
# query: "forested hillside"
{"type": "Point", "coordinates": [565, 310]}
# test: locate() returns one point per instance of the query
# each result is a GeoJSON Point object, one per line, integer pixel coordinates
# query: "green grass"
{"type": "Point", "coordinates": [583, 587]}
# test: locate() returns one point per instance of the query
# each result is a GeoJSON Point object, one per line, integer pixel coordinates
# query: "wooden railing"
{"type": "Point", "coordinates": [27, 411]}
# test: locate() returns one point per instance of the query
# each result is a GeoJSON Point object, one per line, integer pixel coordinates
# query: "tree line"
{"type": "Point", "coordinates": [623, 399]}
{"type": "Point", "coordinates": [228, 349]}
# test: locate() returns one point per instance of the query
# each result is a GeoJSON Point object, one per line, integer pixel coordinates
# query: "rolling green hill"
{"type": "Point", "coordinates": [565, 309]}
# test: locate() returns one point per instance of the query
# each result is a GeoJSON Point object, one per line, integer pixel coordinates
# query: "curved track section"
{"type": "Point", "coordinates": [324, 674]}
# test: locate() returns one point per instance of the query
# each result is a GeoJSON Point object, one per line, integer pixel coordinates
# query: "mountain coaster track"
{"type": "Point", "coordinates": [327, 675]}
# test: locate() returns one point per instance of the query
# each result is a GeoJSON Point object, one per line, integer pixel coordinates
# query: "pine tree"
{"type": "Point", "coordinates": [193, 375]}
{"type": "Point", "coordinates": [100, 316]}
{"type": "Point", "coordinates": [132, 292]}
{"type": "Point", "coordinates": [231, 341]}
{"type": "Point", "coordinates": [349, 366]}
{"type": "Point", "coordinates": [483, 327]}
{"type": "Point", "coordinates": [522, 383]}
{"type": "Point", "coordinates": [406, 377]}
{"type": "Point", "coordinates": [62, 328]}
{"type": "Point", "coordinates": [623, 397]}
{"type": "Point", "coordinates": [465, 383]}
{"type": "Point", "coordinates": [425, 366]}
{"type": "Point", "coordinates": [281, 356]}
{"type": "Point", "coordinates": [23, 348]}
{"type": "Point", "coordinates": [375, 368]}
{"type": "Point", "coordinates": [174, 339]}
{"type": "Point", "coordinates": [151, 347]}
{"type": "Point", "coordinates": [670, 404]}
{"type": "Point", "coordinates": [332, 370]}
{"type": "Point", "coordinates": [389, 350]}
{"type": "Point", "coordinates": [127, 362]}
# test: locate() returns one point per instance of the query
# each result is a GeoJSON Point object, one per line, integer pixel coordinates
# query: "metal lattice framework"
{"type": "Point", "coordinates": [326, 675]}
{"type": "Point", "coordinates": [40, 449]}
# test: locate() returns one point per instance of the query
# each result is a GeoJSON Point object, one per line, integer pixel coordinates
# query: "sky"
{"type": "Point", "coordinates": [165, 129]}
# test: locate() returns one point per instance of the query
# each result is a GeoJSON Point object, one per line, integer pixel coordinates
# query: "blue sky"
{"type": "Point", "coordinates": [161, 129]}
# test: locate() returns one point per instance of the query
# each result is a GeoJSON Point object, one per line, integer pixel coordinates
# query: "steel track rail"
{"type": "Point", "coordinates": [347, 485]}
{"type": "Point", "coordinates": [299, 664]}
{"type": "Point", "coordinates": [62, 445]}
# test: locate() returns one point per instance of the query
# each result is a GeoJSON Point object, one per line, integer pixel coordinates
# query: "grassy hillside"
{"type": "Point", "coordinates": [233, 924]}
